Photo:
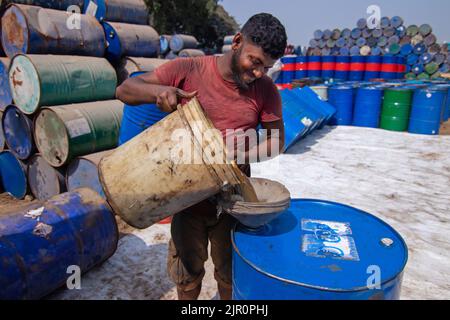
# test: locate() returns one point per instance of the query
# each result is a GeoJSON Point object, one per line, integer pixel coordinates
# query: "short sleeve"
{"type": "Point", "coordinates": [271, 109]}
{"type": "Point", "coordinates": [174, 73]}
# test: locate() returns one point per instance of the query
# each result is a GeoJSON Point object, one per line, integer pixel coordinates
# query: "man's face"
{"type": "Point", "coordinates": [248, 63]}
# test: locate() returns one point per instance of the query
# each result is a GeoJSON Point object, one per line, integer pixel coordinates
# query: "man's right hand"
{"type": "Point", "coordinates": [168, 99]}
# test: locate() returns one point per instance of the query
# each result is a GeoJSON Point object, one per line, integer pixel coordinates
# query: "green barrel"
{"type": "Point", "coordinates": [396, 109]}
{"type": "Point", "coordinates": [48, 80]}
{"type": "Point", "coordinates": [432, 68]}
{"type": "Point", "coordinates": [65, 132]}
{"type": "Point", "coordinates": [423, 76]}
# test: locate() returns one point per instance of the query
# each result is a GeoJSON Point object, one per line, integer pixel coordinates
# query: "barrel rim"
{"type": "Point", "coordinates": [38, 83]}
{"type": "Point", "coordinates": [357, 289]}
{"type": "Point", "coordinates": [77, 160]}
{"type": "Point", "coordinates": [29, 131]}
{"type": "Point", "coordinates": [18, 6]}
{"type": "Point", "coordinates": [33, 160]}
{"type": "Point", "coordinates": [66, 136]}
{"type": "Point", "coordinates": [24, 170]}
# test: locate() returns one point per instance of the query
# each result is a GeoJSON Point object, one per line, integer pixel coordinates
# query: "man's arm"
{"type": "Point", "coordinates": [146, 88]}
{"type": "Point", "coordinates": [272, 146]}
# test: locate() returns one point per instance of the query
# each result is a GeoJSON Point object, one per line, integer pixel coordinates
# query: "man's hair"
{"type": "Point", "coordinates": [267, 32]}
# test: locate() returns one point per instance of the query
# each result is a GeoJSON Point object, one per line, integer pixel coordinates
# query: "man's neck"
{"type": "Point", "coordinates": [224, 66]}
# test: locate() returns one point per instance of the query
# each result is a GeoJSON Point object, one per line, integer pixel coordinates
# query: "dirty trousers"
{"type": "Point", "coordinates": [188, 249]}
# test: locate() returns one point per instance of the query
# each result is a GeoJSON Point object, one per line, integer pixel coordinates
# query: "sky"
{"type": "Point", "coordinates": [302, 17]}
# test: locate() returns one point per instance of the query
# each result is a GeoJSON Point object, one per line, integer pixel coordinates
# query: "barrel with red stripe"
{"type": "Point", "coordinates": [301, 67]}
{"type": "Point", "coordinates": [373, 67]}
{"type": "Point", "coordinates": [357, 68]}
{"type": "Point", "coordinates": [389, 67]}
{"type": "Point", "coordinates": [401, 67]}
{"type": "Point", "coordinates": [314, 66]}
{"type": "Point", "coordinates": [342, 67]}
{"type": "Point", "coordinates": [288, 69]}
{"type": "Point", "coordinates": [328, 66]}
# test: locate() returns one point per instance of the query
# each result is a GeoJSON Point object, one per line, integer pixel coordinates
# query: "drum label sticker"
{"type": "Point", "coordinates": [78, 127]}
{"type": "Point", "coordinates": [92, 8]}
{"type": "Point", "coordinates": [330, 239]}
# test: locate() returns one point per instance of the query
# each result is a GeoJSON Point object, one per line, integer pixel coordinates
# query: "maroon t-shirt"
{"type": "Point", "coordinates": [223, 102]}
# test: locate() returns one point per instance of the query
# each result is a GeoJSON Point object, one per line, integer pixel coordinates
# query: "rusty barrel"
{"type": "Point", "coordinates": [83, 172]}
{"type": "Point", "coordinates": [48, 80]}
{"type": "Point", "coordinates": [50, 4]}
{"type": "Point", "coordinates": [174, 164]}
{"type": "Point", "coordinates": [132, 40]}
{"type": "Point", "coordinates": [44, 243]}
{"type": "Point", "coordinates": [127, 11]}
{"type": "Point", "coordinates": [130, 65]}
{"type": "Point", "coordinates": [65, 132]}
{"type": "Point", "coordinates": [35, 30]}
{"type": "Point", "coordinates": [13, 175]}
{"type": "Point", "coordinates": [44, 180]}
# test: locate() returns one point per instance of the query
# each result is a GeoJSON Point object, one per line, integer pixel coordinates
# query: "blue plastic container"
{"type": "Point", "coordinates": [328, 66]}
{"type": "Point", "coordinates": [389, 67]}
{"type": "Point", "coordinates": [373, 67]}
{"type": "Point", "coordinates": [130, 40]}
{"type": "Point", "coordinates": [138, 118]}
{"type": "Point", "coordinates": [368, 107]}
{"type": "Point", "coordinates": [314, 66]}
{"type": "Point", "coordinates": [426, 111]}
{"type": "Point", "coordinates": [43, 241]}
{"type": "Point", "coordinates": [18, 131]}
{"type": "Point", "coordinates": [5, 90]}
{"type": "Point", "coordinates": [130, 11]}
{"type": "Point", "coordinates": [318, 250]}
{"type": "Point", "coordinates": [13, 175]}
{"type": "Point", "coordinates": [341, 97]}
{"type": "Point", "coordinates": [301, 67]}
{"type": "Point", "coordinates": [357, 68]}
{"type": "Point", "coordinates": [412, 59]}
{"type": "Point", "coordinates": [289, 66]}
{"type": "Point", "coordinates": [401, 67]}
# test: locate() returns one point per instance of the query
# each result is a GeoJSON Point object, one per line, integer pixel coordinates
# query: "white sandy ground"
{"type": "Point", "coordinates": [404, 179]}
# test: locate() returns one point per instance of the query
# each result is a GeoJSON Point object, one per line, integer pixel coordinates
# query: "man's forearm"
{"type": "Point", "coordinates": [135, 92]}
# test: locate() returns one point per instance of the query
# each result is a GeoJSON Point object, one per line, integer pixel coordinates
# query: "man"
{"type": "Point", "coordinates": [235, 93]}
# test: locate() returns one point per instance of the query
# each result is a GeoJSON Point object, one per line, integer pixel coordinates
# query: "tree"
{"type": "Point", "coordinates": [207, 20]}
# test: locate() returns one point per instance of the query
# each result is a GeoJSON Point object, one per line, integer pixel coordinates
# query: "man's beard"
{"type": "Point", "coordinates": [236, 72]}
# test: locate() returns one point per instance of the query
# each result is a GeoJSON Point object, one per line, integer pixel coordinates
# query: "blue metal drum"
{"type": "Point", "coordinates": [328, 66]}
{"type": "Point", "coordinates": [406, 49]}
{"type": "Point", "coordinates": [357, 68]}
{"type": "Point", "coordinates": [130, 11]}
{"type": "Point", "coordinates": [312, 99]}
{"type": "Point", "coordinates": [373, 67]}
{"type": "Point", "coordinates": [2, 135]}
{"type": "Point", "coordinates": [420, 49]}
{"type": "Point", "coordinates": [289, 66]}
{"type": "Point", "coordinates": [24, 31]}
{"type": "Point", "coordinates": [130, 40]}
{"type": "Point", "coordinates": [446, 112]}
{"type": "Point", "coordinates": [301, 67]}
{"type": "Point", "coordinates": [426, 111]}
{"type": "Point", "coordinates": [18, 131]}
{"type": "Point", "coordinates": [344, 51]}
{"type": "Point", "coordinates": [138, 118]}
{"type": "Point", "coordinates": [318, 250]}
{"type": "Point", "coordinates": [51, 4]}
{"type": "Point", "coordinates": [314, 66]}
{"type": "Point", "coordinates": [389, 67]}
{"type": "Point", "coordinates": [341, 97]}
{"type": "Point", "coordinates": [412, 59]}
{"type": "Point", "coordinates": [377, 51]}
{"type": "Point", "coordinates": [368, 107]}
{"type": "Point", "coordinates": [342, 68]}
{"type": "Point", "coordinates": [44, 180]}
{"type": "Point", "coordinates": [5, 90]}
{"type": "Point", "coordinates": [164, 42]}
{"type": "Point", "coordinates": [42, 242]}
{"type": "Point", "coordinates": [418, 68]}
{"type": "Point", "coordinates": [13, 175]}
